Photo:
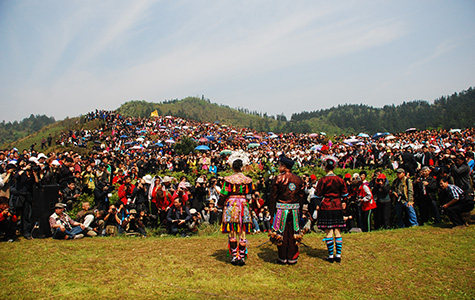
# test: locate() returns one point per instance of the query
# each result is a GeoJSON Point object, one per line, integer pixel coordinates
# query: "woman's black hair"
{"type": "Point", "coordinates": [237, 164]}
{"type": "Point", "coordinates": [329, 164]}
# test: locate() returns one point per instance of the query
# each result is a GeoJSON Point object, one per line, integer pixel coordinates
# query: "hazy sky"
{"type": "Point", "coordinates": [66, 58]}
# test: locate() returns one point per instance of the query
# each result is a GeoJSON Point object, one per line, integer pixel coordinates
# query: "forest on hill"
{"type": "Point", "coordinates": [455, 111]}
{"type": "Point", "coordinates": [12, 131]}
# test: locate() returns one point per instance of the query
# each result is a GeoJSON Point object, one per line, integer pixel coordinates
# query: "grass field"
{"type": "Point", "coordinates": [416, 263]}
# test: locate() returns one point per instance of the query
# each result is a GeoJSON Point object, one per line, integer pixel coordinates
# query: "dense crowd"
{"type": "Point", "coordinates": [127, 170]}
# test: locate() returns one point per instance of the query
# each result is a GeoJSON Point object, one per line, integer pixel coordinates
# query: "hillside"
{"type": "Point", "coordinates": [455, 111]}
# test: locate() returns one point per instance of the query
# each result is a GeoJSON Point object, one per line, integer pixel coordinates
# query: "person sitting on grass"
{"type": "Point", "coordinates": [177, 216]}
{"type": "Point", "coordinates": [133, 224]}
{"type": "Point", "coordinates": [63, 227]}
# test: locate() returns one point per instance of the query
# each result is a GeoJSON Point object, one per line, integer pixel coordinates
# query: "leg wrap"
{"type": "Point", "coordinates": [233, 247]}
{"type": "Point", "coordinates": [338, 245]}
{"type": "Point", "coordinates": [329, 242]}
{"type": "Point", "coordinates": [243, 248]}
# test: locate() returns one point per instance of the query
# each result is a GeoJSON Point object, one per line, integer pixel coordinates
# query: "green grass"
{"type": "Point", "coordinates": [415, 263]}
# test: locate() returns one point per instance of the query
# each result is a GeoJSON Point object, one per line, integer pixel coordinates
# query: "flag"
{"type": "Point", "coordinates": [154, 113]}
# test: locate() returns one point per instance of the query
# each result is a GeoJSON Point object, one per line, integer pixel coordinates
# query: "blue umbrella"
{"type": "Point", "coordinates": [365, 135]}
{"type": "Point", "coordinates": [123, 136]}
{"type": "Point", "coordinates": [210, 137]}
{"type": "Point", "coordinates": [202, 147]}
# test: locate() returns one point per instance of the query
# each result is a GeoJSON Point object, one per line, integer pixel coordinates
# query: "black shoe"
{"type": "Point", "coordinates": [338, 259]}
{"type": "Point", "coordinates": [234, 261]}
{"type": "Point", "coordinates": [241, 262]}
{"type": "Point", "coordinates": [330, 259]}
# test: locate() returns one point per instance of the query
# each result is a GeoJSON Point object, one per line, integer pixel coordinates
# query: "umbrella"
{"type": "Point", "coordinates": [137, 147]}
{"type": "Point", "coordinates": [455, 130]}
{"type": "Point", "coordinates": [233, 131]}
{"type": "Point", "coordinates": [253, 145]}
{"type": "Point", "coordinates": [203, 140]}
{"type": "Point", "coordinates": [364, 135]}
{"type": "Point", "coordinates": [323, 133]}
{"type": "Point", "coordinates": [168, 117]}
{"type": "Point", "coordinates": [202, 147]}
{"type": "Point", "coordinates": [123, 136]}
{"type": "Point", "coordinates": [389, 137]}
{"type": "Point", "coordinates": [312, 135]}
{"type": "Point", "coordinates": [351, 141]}
{"type": "Point", "coordinates": [225, 152]}
{"type": "Point", "coordinates": [140, 139]}
{"type": "Point", "coordinates": [211, 138]}
{"type": "Point", "coordinates": [411, 129]}
{"type": "Point", "coordinates": [159, 144]}
{"type": "Point", "coordinates": [316, 148]}
{"type": "Point", "coordinates": [379, 134]}
{"type": "Point", "coordinates": [170, 141]}
{"type": "Point", "coordinates": [274, 136]}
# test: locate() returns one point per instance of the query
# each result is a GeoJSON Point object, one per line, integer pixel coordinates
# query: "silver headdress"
{"type": "Point", "coordinates": [240, 154]}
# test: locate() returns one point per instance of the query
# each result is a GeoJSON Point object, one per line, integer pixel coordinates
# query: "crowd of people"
{"type": "Point", "coordinates": [127, 164]}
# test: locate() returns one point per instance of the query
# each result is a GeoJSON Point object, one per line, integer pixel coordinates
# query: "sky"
{"type": "Point", "coordinates": [67, 58]}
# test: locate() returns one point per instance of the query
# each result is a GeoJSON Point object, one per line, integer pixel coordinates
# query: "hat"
{"type": "Point", "coordinates": [381, 176]}
{"type": "Point", "coordinates": [133, 212]}
{"type": "Point", "coordinates": [356, 176]}
{"type": "Point", "coordinates": [59, 205]}
{"type": "Point", "coordinates": [400, 170]}
{"type": "Point", "coordinates": [286, 161]}
{"type": "Point", "coordinates": [55, 163]}
{"type": "Point", "coordinates": [167, 179]}
{"type": "Point", "coordinates": [187, 185]}
{"type": "Point", "coordinates": [348, 175]}
{"type": "Point", "coordinates": [200, 180]}
{"type": "Point", "coordinates": [148, 179]}
{"type": "Point", "coordinates": [193, 211]}
{"type": "Point", "coordinates": [42, 155]}
{"type": "Point", "coordinates": [313, 177]}
{"type": "Point", "coordinates": [425, 168]}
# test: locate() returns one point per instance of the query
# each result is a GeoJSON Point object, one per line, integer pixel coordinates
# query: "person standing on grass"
{"type": "Point", "coordinates": [330, 192]}
{"type": "Point", "coordinates": [287, 194]}
{"type": "Point", "coordinates": [237, 219]}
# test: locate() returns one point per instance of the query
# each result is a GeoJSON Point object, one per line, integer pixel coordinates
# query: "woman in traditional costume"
{"type": "Point", "coordinates": [330, 192]}
{"type": "Point", "coordinates": [237, 219]}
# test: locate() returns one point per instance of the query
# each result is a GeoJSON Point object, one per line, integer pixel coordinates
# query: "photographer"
{"type": "Point", "coordinates": [125, 191]}
{"type": "Point", "coordinates": [7, 221]}
{"type": "Point", "coordinates": [6, 180]}
{"type": "Point", "coordinates": [112, 222]}
{"type": "Point", "coordinates": [70, 195]}
{"type": "Point", "coordinates": [199, 195]}
{"type": "Point", "coordinates": [195, 221]}
{"type": "Point", "coordinates": [425, 189]}
{"type": "Point", "coordinates": [382, 213]}
{"type": "Point", "coordinates": [101, 195]}
{"type": "Point", "coordinates": [88, 180]}
{"type": "Point", "coordinates": [140, 195]}
{"type": "Point", "coordinates": [22, 195]}
{"type": "Point", "coordinates": [403, 195]}
{"type": "Point", "coordinates": [456, 202]}
{"type": "Point", "coordinates": [133, 224]}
